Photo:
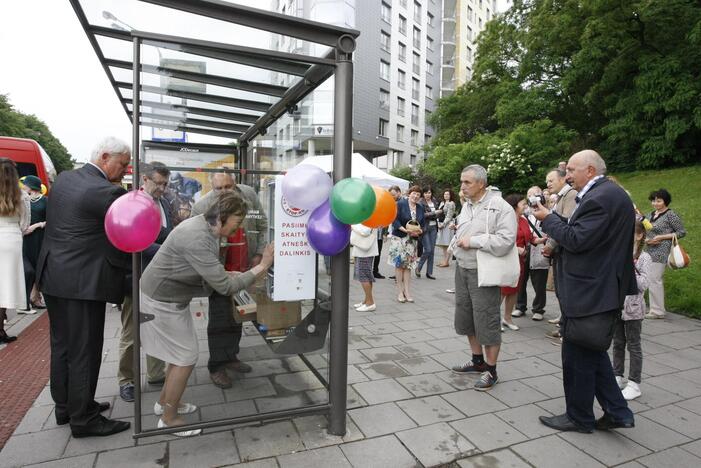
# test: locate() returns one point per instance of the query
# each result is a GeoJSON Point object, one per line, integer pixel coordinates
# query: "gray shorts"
{"type": "Point", "coordinates": [477, 309]}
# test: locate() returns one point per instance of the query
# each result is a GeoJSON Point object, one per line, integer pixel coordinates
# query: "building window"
{"type": "Point", "coordinates": [489, 14]}
{"type": "Point", "coordinates": [429, 92]}
{"type": "Point", "coordinates": [417, 12]}
{"type": "Point", "coordinates": [416, 64]}
{"type": "Point", "coordinates": [402, 3]}
{"type": "Point", "coordinates": [415, 115]}
{"type": "Point", "coordinates": [386, 13]}
{"type": "Point", "coordinates": [427, 137]}
{"type": "Point", "coordinates": [402, 52]}
{"type": "Point", "coordinates": [402, 25]}
{"type": "Point", "coordinates": [430, 19]}
{"type": "Point", "coordinates": [429, 67]}
{"type": "Point", "coordinates": [401, 79]}
{"type": "Point", "coordinates": [385, 41]}
{"type": "Point", "coordinates": [417, 38]}
{"type": "Point", "coordinates": [469, 33]}
{"type": "Point", "coordinates": [384, 70]}
{"type": "Point", "coordinates": [384, 99]}
{"type": "Point", "coordinates": [429, 42]}
{"type": "Point", "coordinates": [401, 104]}
{"type": "Point", "coordinates": [383, 127]}
{"type": "Point", "coordinates": [415, 88]}
{"type": "Point", "coordinates": [415, 137]}
{"type": "Point", "coordinates": [398, 157]}
{"type": "Point", "coordinates": [412, 160]}
{"type": "Point", "coordinates": [400, 133]}
{"type": "Point", "coordinates": [469, 53]}
{"type": "Point", "coordinates": [470, 13]}
{"type": "Point", "coordinates": [480, 23]}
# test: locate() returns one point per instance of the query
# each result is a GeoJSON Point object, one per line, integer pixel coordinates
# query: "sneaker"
{"type": "Point", "coordinates": [652, 315]}
{"type": "Point", "coordinates": [126, 392]}
{"type": "Point", "coordinates": [486, 381]}
{"type": "Point", "coordinates": [184, 408]}
{"type": "Point", "coordinates": [555, 320]}
{"type": "Point", "coordinates": [470, 368]}
{"type": "Point", "coordinates": [619, 381]}
{"type": "Point", "coordinates": [632, 391]}
{"type": "Point", "coordinates": [28, 311]}
{"type": "Point", "coordinates": [220, 379]}
{"type": "Point", "coordinates": [537, 317]}
{"type": "Point", "coordinates": [367, 308]}
{"type": "Point", "coordinates": [450, 291]}
{"type": "Point", "coordinates": [518, 313]}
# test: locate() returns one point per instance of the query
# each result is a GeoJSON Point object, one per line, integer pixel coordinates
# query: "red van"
{"type": "Point", "coordinates": [30, 157]}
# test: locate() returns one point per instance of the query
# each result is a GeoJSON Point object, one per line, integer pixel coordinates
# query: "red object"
{"type": "Point", "coordinates": [30, 157]}
{"type": "Point", "coordinates": [237, 252]}
{"type": "Point", "coordinates": [523, 238]}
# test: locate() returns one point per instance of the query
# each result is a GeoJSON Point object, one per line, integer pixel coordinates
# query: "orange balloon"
{"type": "Point", "coordinates": [385, 209]}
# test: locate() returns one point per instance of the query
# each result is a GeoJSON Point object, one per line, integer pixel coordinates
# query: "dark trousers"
{"type": "Point", "coordinates": [588, 374]}
{"type": "Point", "coordinates": [223, 333]}
{"type": "Point", "coordinates": [376, 262]}
{"type": "Point", "coordinates": [77, 331]}
{"type": "Point", "coordinates": [628, 334]}
{"type": "Point", "coordinates": [539, 280]}
{"type": "Point", "coordinates": [29, 279]}
{"type": "Point", "coordinates": [522, 297]}
{"type": "Point", "coordinates": [428, 242]}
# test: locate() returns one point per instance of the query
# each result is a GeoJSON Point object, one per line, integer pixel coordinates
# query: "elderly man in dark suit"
{"type": "Point", "coordinates": [79, 271]}
{"type": "Point", "coordinates": [595, 273]}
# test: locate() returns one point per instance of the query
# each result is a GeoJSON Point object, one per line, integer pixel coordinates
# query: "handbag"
{"type": "Point", "coordinates": [594, 332]}
{"type": "Point", "coordinates": [678, 258]}
{"type": "Point", "coordinates": [497, 271]}
{"type": "Point", "coordinates": [362, 242]}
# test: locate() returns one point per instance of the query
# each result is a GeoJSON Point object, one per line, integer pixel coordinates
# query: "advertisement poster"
{"type": "Point", "coordinates": [295, 260]}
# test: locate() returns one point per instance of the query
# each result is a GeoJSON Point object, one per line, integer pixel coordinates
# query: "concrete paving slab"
{"type": "Point", "coordinates": [552, 451]}
{"type": "Point", "coordinates": [683, 421]}
{"type": "Point", "coordinates": [34, 447]}
{"type": "Point", "coordinates": [382, 370]}
{"type": "Point", "coordinates": [549, 385]}
{"type": "Point", "coordinates": [693, 447]}
{"type": "Point", "coordinates": [499, 458]}
{"type": "Point", "coordinates": [382, 419]}
{"type": "Point", "coordinates": [430, 410]}
{"type": "Point", "coordinates": [228, 410]}
{"type": "Point", "coordinates": [381, 391]}
{"type": "Point", "coordinates": [418, 349]}
{"type": "Point", "coordinates": [327, 456]}
{"type": "Point", "coordinates": [297, 381]}
{"type": "Point", "coordinates": [525, 420]}
{"type": "Point", "coordinates": [382, 341]}
{"type": "Point", "coordinates": [214, 449]}
{"type": "Point", "coordinates": [609, 447]}
{"type": "Point", "coordinates": [144, 456]}
{"type": "Point", "coordinates": [514, 393]}
{"type": "Point", "coordinates": [414, 336]}
{"type": "Point", "coordinates": [268, 440]}
{"type": "Point", "coordinates": [652, 435]}
{"type": "Point", "coordinates": [671, 457]}
{"type": "Point", "coordinates": [34, 419]}
{"type": "Point", "coordinates": [425, 384]}
{"type": "Point", "coordinates": [381, 452]}
{"type": "Point", "coordinates": [473, 403]}
{"type": "Point", "coordinates": [420, 365]}
{"type": "Point", "coordinates": [312, 430]}
{"type": "Point", "coordinates": [387, 353]}
{"type": "Point", "coordinates": [84, 461]}
{"type": "Point", "coordinates": [266, 463]}
{"type": "Point", "coordinates": [487, 432]}
{"type": "Point", "coordinates": [436, 444]}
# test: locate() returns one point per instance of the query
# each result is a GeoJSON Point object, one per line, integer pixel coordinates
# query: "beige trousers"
{"type": "Point", "coordinates": [656, 290]}
{"type": "Point", "coordinates": [155, 368]}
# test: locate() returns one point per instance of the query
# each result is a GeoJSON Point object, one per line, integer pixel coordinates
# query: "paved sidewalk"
{"type": "Point", "coordinates": [407, 408]}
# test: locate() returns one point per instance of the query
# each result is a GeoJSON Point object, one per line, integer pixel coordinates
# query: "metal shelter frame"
{"type": "Point", "coordinates": [244, 127]}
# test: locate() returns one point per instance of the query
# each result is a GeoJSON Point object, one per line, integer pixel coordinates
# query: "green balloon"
{"type": "Point", "coordinates": [352, 201]}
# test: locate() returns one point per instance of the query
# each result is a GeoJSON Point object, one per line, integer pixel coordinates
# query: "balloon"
{"type": "Point", "coordinates": [385, 209]}
{"type": "Point", "coordinates": [352, 200]}
{"type": "Point", "coordinates": [133, 222]}
{"type": "Point", "coordinates": [306, 186]}
{"type": "Point", "coordinates": [327, 235]}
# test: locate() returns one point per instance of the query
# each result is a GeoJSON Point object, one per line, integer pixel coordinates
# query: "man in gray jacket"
{"type": "Point", "coordinates": [477, 308]}
{"type": "Point", "coordinates": [223, 333]}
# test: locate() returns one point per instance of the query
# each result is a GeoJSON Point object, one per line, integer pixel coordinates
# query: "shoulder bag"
{"type": "Point", "coordinates": [362, 242]}
{"type": "Point", "coordinates": [497, 271]}
{"type": "Point", "coordinates": [678, 258]}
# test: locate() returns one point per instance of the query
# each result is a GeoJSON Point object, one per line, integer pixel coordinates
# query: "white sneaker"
{"type": "Point", "coordinates": [555, 320]}
{"type": "Point", "coordinates": [191, 433]}
{"type": "Point", "coordinates": [653, 315]}
{"type": "Point", "coordinates": [518, 313]}
{"type": "Point", "coordinates": [620, 383]}
{"type": "Point", "coordinates": [450, 291]}
{"type": "Point", "coordinates": [367, 308]}
{"type": "Point", "coordinates": [184, 408]}
{"type": "Point", "coordinates": [537, 317]}
{"type": "Point", "coordinates": [632, 391]}
{"type": "Point", "coordinates": [29, 311]}
{"type": "Point", "coordinates": [511, 326]}
{"type": "Point", "coordinates": [359, 304]}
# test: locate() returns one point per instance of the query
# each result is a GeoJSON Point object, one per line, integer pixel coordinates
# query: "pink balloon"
{"type": "Point", "coordinates": [133, 222]}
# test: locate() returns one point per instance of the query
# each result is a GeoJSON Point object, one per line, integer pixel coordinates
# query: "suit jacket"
{"type": "Point", "coordinates": [565, 206]}
{"type": "Point", "coordinates": [404, 215]}
{"type": "Point", "coordinates": [169, 220]}
{"type": "Point", "coordinates": [77, 261]}
{"type": "Point", "coordinates": [595, 270]}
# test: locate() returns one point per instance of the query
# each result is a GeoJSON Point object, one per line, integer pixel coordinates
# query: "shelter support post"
{"type": "Point", "coordinates": [243, 162]}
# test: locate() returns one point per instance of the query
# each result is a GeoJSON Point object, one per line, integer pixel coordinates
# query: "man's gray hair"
{"type": "Point", "coordinates": [210, 175]}
{"type": "Point", "coordinates": [110, 145]}
{"type": "Point", "coordinates": [479, 172]}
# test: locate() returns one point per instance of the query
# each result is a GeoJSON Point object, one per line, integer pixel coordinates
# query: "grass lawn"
{"type": "Point", "coordinates": [682, 287]}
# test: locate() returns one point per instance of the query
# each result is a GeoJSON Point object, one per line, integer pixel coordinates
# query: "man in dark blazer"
{"type": "Point", "coordinates": [594, 275]}
{"type": "Point", "coordinates": [79, 271]}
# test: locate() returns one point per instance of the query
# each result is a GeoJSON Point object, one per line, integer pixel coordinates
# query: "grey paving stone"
{"type": "Point", "coordinates": [380, 318]}
{"type": "Point", "coordinates": [553, 406]}
{"type": "Point", "coordinates": [670, 457]}
{"type": "Point", "coordinates": [417, 349]}
{"type": "Point", "coordinates": [44, 397]}
{"type": "Point", "coordinates": [411, 325]}
{"type": "Point", "coordinates": [266, 463]}
{"type": "Point", "coordinates": [99, 444]}
{"type": "Point", "coordinates": [420, 365]}
{"type": "Point", "coordinates": [676, 385]}
{"type": "Point", "coordinates": [678, 419]}
{"type": "Point", "coordinates": [525, 420]}
{"type": "Point", "coordinates": [438, 322]}
{"type": "Point", "coordinates": [426, 384]}
{"type": "Point", "coordinates": [631, 464]}
{"type": "Point", "coordinates": [297, 381]}
{"type": "Point", "coordinates": [448, 345]}
{"type": "Point", "coordinates": [383, 328]}
{"type": "Point", "coordinates": [652, 435]}
{"type": "Point", "coordinates": [277, 403]}
{"type": "Point", "coordinates": [458, 381]}
{"type": "Point", "coordinates": [354, 375]}
{"type": "Point", "coordinates": [353, 399]}
{"type": "Point", "coordinates": [526, 367]}
{"type": "Point", "coordinates": [430, 410]}
{"type": "Point", "coordinates": [272, 439]}
{"type": "Point", "coordinates": [522, 349]}
{"type": "Point", "coordinates": [473, 403]}
{"type": "Point", "coordinates": [381, 452]}
{"type": "Point", "coordinates": [441, 332]}
{"type": "Point", "coordinates": [152, 456]}
{"type": "Point", "coordinates": [228, 410]}
{"type": "Point", "coordinates": [84, 461]}
{"type": "Point", "coordinates": [214, 449]}
{"type": "Point", "coordinates": [380, 341]}
{"type": "Point", "coordinates": [514, 393]}
{"type": "Point", "coordinates": [500, 458]}
{"type": "Point", "coordinates": [436, 444]}
{"type": "Point", "coordinates": [34, 419]}
{"type": "Point", "coordinates": [414, 336]}
{"type": "Point", "coordinates": [655, 397]}
{"type": "Point", "coordinates": [547, 384]}
{"type": "Point", "coordinates": [382, 419]}
{"type": "Point", "coordinates": [34, 447]}
{"type": "Point", "coordinates": [382, 370]}
{"type": "Point", "coordinates": [452, 358]}
{"type": "Point", "coordinates": [313, 431]}
{"type": "Point", "coordinates": [206, 394]}
{"type": "Point", "coordinates": [693, 447]}
{"type": "Point", "coordinates": [381, 391]}
{"type": "Point", "coordinates": [327, 456]}
{"type": "Point", "coordinates": [488, 432]}
{"type": "Point", "coordinates": [681, 360]}
{"type": "Point", "coordinates": [356, 357]}
{"type": "Point", "coordinates": [408, 315]}
{"type": "Point", "coordinates": [551, 451]}
{"type": "Point", "coordinates": [382, 354]}
{"type": "Point", "coordinates": [609, 447]}
{"type": "Point", "coordinates": [694, 375]}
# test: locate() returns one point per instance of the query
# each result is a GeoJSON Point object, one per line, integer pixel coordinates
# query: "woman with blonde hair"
{"type": "Point", "coordinates": [14, 219]}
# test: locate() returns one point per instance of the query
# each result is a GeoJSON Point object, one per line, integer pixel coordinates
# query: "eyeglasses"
{"type": "Point", "coordinates": [223, 187]}
{"type": "Point", "coordinates": [159, 184]}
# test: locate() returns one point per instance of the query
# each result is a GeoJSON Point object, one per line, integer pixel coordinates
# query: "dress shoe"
{"type": "Point", "coordinates": [430, 277]}
{"type": "Point", "coordinates": [606, 422]}
{"type": "Point", "coordinates": [100, 428]}
{"type": "Point", "coordinates": [220, 379]}
{"type": "Point", "coordinates": [184, 408]}
{"type": "Point", "coordinates": [367, 308]}
{"type": "Point", "coordinates": [238, 366]}
{"type": "Point", "coordinates": [378, 275]}
{"type": "Point", "coordinates": [393, 277]}
{"type": "Point", "coordinates": [101, 407]}
{"type": "Point", "coordinates": [191, 433]}
{"type": "Point", "coordinates": [5, 338]}
{"type": "Point", "coordinates": [564, 423]}
{"type": "Point", "coordinates": [157, 382]}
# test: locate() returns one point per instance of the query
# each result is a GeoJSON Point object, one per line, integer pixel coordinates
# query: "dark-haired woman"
{"type": "Point", "coordinates": [428, 239]}
{"type": "Point", "coordinates": [406, 229]}
{"type": "Point", "coordinates": [446, 225]}
{"type": "Point", "coordinates": [665, 225]}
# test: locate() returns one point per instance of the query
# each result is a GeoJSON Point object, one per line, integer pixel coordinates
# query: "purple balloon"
{"type": "Point", "coordinates": [306, 186]}
{"type": "Point", "coordinates": [133, 222]}
{"type": "Point", "coordinates": [327, 235]}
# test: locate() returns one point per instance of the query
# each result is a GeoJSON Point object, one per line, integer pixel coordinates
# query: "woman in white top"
{"type": "Point", "coordinates": [14, 219]}
{"type": "Point", "coordinates": [364, 249]}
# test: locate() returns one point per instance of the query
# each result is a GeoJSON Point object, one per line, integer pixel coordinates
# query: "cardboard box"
{"type": "Point", "coordinates": [244, 313]}
{"type": "Point", "coordinates": [277, 315]}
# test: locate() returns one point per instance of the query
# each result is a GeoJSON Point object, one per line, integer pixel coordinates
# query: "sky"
{"type": "Point", "coordinates": [49, 69]}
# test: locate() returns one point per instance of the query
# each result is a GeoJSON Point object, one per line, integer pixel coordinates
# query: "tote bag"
{"type": "Point", "coordinates": [678, 258]}
{"type": "Point", "coordinates": [497, 271]}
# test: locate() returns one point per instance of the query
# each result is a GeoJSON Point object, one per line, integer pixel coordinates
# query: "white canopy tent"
{"type": "Point", "coordinates": [362, 169]}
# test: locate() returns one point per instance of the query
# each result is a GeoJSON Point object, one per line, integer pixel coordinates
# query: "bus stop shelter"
{"type": "Point", "coordinates": [177, 66]}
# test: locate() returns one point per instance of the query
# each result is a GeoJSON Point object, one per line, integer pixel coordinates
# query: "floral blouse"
{"type": "Point", "coordinates": [666, 223]}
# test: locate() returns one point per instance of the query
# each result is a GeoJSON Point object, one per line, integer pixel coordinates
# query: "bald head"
{"type": "Point", "coordinates": [222, 182]}
{"type": "Point", "coordinates": [583, 167]}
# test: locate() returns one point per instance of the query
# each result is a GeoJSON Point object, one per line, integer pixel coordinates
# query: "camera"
{"type": "Point", "coordinates": [533, 201]}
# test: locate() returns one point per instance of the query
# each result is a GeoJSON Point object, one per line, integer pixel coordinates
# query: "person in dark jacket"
{"type": "Point", "coordinates": [406, 229]}
{"type": "Point", "coordinates": [594, 276]}
{"type": "Point", "coordinates": [428, 239]}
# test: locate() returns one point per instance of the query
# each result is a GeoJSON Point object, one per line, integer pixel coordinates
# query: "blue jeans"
{"type": "Point", "coordinates": [428, 242]}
